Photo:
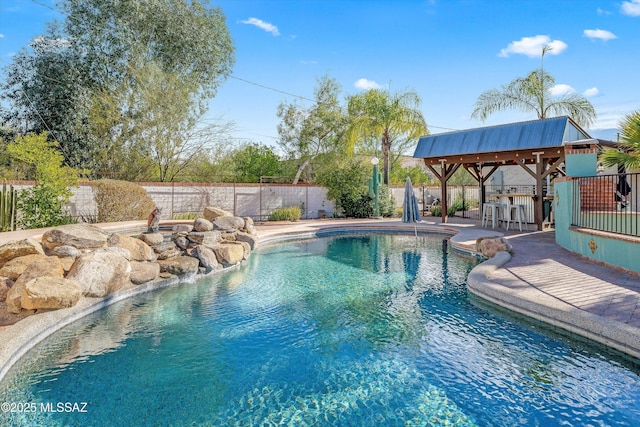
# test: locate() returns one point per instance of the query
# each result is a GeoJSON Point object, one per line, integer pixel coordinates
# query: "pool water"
{"type": "Point", "coordinates": [357, 330]}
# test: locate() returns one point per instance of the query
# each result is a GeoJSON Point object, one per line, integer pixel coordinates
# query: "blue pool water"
{"type": "Point", "coordinates": [374, 330]}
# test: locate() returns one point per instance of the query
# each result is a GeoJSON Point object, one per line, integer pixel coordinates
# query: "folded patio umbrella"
{"type": "Point", "coordinates": [410, 208]}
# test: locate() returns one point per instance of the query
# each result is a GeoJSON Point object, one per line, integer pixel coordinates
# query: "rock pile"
{"type": "Point", "coordinates": [82, 260]}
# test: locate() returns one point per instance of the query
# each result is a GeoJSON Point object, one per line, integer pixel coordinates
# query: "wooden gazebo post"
{"type": "Point", "coordinates": [445, 173]}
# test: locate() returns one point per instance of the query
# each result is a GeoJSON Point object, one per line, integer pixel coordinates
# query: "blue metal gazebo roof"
{"type": "Point", "coordinates": [554, 132]}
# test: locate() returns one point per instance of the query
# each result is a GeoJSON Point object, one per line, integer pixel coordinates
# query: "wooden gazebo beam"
{"type": "Point", "coordinates": [500, 157]}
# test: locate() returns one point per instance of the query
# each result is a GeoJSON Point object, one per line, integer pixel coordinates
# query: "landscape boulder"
{"type": "Point", "coordinates": [182, 228]}
{"type": "Point", "coordinates": [179, 265]}
{"type": "Point", "coordinates": [249, 226]}
{"type": "Point", "coordinates": [229, 253]}
{"type": "Point", "coordinates": [100, 273]}
{"type": "Point", "coordinates": [66, 251]}
{"type": "Point", "coordinates": [227, 223]}
{"type": "Point", "coordinates": [5, 284]}
{"type": "Point", "coordinates": [15, 267]}
{"type": "Point", "coordinates": [81, 236]}
{"type": "Point", "coordinates": [50, 293]}
{"type": "Point", "coordinates": [143, 272]}
{"type": "Point", "coordinates": [207, 238]}
{"type": "Point", "coordinates": [211, 212]}
{"type": "Point", "coordinates": [182, 242]}
{"type": "Point", "coordinates": [207, 257]}
{"type": "Point", "coordinates": [138, 250]}
{"type": "Point", "coordinates": [46, 267]}
{"type": "Point", "coordinates": [251, 239]}
{"type": "Point", "coordinates": [152, 239]}
{"type": "Point", "coordinates": [167, 250]}
{"type": "Point", "coordinates": [202, 224]}
{"type": "Point", "coordinates": [19, 248]}
{"type": "Point", "coordinates": [489, 247]}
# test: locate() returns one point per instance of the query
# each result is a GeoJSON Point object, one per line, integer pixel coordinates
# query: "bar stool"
{"type": "Point", "coordinates": [510, 210]}
{"type": "Point", "coordinates": [493, 211]}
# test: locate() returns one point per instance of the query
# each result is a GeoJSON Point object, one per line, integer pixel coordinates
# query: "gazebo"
{"type": "Point", "coordinates": [481, 151]}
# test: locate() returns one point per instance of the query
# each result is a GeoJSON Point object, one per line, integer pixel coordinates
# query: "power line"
{"type": "Point", "coordinates": [270, 88]}
{"type": "Point", "coordinates": [305, 98]}
{"type": "Point", "coordinates": [44, 5]}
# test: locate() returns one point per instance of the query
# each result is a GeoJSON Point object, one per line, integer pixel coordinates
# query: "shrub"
{"type": "Point", "coordinates": [346, 183]}
{"type": "Point", "coordinates": [356, 204]}
{"type": "Point", "coordinates": [121, 201]}
{"type": "Point", "coordinates": [437, 210]}
{"type": "Point", "coordinates": [387, 202]}
{"type": "Point", "coordinates": [292, 213]}
{"type": "Point", "coordinates": [42, 205]}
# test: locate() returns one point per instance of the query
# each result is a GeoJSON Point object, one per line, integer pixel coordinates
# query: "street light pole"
{"type": "Point", "coordinates": [374, 187]}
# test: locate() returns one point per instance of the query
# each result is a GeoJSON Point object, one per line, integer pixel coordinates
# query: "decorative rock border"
{"type": "Point", "coordinates": [83, 260]}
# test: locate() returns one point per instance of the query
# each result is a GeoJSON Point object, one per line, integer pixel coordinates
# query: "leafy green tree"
{"type": "Point", "coordinates": [628, 153]}
{"type": "Point", "coordinates": [160, 133]}
{"type": "Point", "coordinates": [123, 54]}
{"type": "Point", "coordinates": [41, 206]}
{"type": "Point", "coordinates": [306, 133]}
{"type": "Point", "coordinates": [533, 94]}
{"type": "Point", "coordinates": [45, 91]}
{"type": "Point", "coordinates": [387, 117]}
{"type": "Point", "coordinates": [253, 161]}
{"type": "Point", "coordinates": [189, 38]}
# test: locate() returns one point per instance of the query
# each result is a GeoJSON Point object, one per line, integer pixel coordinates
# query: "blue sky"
{"type": "Point", "coordinates": [449, 51]}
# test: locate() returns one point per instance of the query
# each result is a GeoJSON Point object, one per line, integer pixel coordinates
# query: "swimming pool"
{"type": "Point", "coordinates": [340, 330]}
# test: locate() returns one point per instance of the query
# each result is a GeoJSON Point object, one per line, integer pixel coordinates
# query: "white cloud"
{"type": "Point", "coordinates": [532, 46]}
{"type": "Point", "coordinates": [631, 8]}
{"type": "Point", "coordinates": [1, 35]}
{"type": "Point", "coordinates": [268, 27]}
{"type": "Point", "coordinates": [603, 35]}
{"type": "Point", "coordinates": [591, 92]}
{"type": "Point", "coordinates": [366, 84]}
{"type": "Point", "coordinates": [602, 12]}
{"type": "Point", "coordinates": [308, 62]}
{"type": "Point", "coordinates": [561, 89]}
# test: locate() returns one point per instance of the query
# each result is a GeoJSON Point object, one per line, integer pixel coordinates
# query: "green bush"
{"type": "Point", "coordinates": [437, 210]}
{"type": "Point", "coordinates": [355, 205]}
{"type": "Point", "coordinates": [121, 201]}
{"type": "Point", "coordinates": [292, 213]}
{"type": "Point", "coordinates": [387, 202]}
{"type": "Point", "coordinates": [347, 186]}
{"type": "Point", "coordinates": [41, 206]}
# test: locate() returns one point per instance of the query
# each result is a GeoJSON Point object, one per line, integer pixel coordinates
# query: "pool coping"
{"type": "Point", "coordinates": [530, 302]}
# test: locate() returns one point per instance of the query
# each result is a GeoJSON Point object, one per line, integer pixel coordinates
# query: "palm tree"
{"type": "Point", "coordinates": [381, 115]}
{"type": "Point", "coordinates": [533, 93]}
{"type": "Point", "coordinates": [628, 154]}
